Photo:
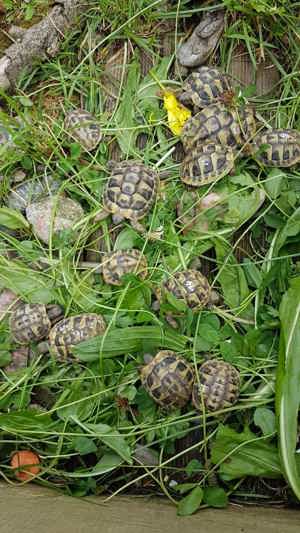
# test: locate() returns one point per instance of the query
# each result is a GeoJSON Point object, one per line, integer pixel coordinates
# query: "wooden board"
{"type": "Point", "coordinates": [32, 509]}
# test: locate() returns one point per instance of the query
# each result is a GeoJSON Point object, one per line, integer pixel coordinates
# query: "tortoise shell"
{"type": "Point", "coordinates": [206, 163]}
{"type": "Point", "coordinates": [131, 190]}
{"type": "Point", "coordinates": [218, 386]}
{"type": "Point", "coordinates": [190, 286]}
{"type": "Point", "coordinates": [82, 127]}
{"type": "Point", "coordinates": [117, 264]}
{"type": "Point", "coordinates": [70, 331]}
{"type": "Point", "coordinates": [168, 379]}
{"type": "Point", "coordinates": [204, 87]}
{"type": "Point", "coordinates": [282, 150]}
{"type": "Point", "coordinates": [227, 126]}
{"type": "Point", "coordinates": [29, 322]}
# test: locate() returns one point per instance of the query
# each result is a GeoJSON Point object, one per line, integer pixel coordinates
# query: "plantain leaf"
{"type": "Point", "coordinates": [244, 454]}
{"type": "Point", "coordinates": [288, 383]}
{"type": "Point", "coordinates": [12, 219]}
{"type": "Point", "coordinates": [231, 277]}
{"type": "Point", "coordinates": [191, 502]}
{"type": "Point", "coordinates": [119, 341]}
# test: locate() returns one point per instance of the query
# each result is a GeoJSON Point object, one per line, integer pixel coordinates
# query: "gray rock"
{"type": "Point", "coordinates": [31, 191]}
{"type": "Point", "coordinates": [52, 215]}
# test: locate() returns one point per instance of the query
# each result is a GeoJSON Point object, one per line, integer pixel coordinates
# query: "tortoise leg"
{"type": "Point", "coordinates": [171, 320]}
{"type": "Point", "coordinates": [152, 235]}
{"type": "Point", "coordinates": [101, 215]}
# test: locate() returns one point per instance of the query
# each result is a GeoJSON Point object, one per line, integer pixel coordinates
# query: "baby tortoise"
{"type": "Point", "coordinates": [116, 264]}
{"type": "Point", "coordinates": [82, 127]}
{"type": "Point", "coordinates": [70, 331]}
{"type": "Point", "coordinates": [32, 322]}
{"type": "Point", "coordinates": [218, 386]}
{"type": "Point", "coordinates": [206, 163]}
{"type": "Point", "coordinates": [205, 37]}
{"type": "Point", "coordinates": [278, 148]}
{"type": "Point", "coordinates": [130, 192]}
{"type": "Point", "coordinates": [227, 126]}
{"type": "Point", "coordinates": [204, 87]}
{"type": "Point", "coordinates": [168, 379]}
{"type": "Point", "coordinates": [190, 286]}
{"type": "Point", "coordinates": [192, 209]}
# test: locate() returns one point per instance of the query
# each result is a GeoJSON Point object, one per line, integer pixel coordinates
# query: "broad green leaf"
{"type": "Point", "coordinates": [26, 423]}
{"type": "Point", "coordinates": [120, 341]}
{"type": "Point", "coordinates": [84, 445]}
{"type": "Point", "coordinates": [127, 238]}
{"type": "Point", "coordinates": [191, 503]}
{"type": "Point", "coordinates": [288, 383]}
{"type": "Point", "coordinates": [193, 466]}
{"type": "Point", "coordinates": [273, 182]}
{"type": "Point", "coordinates": [264, 418]}
{"type": "Point", "coordinates": [290, 229]}
{"type": "Point", "coordinates": [32, 285]}
{"type": "Point", "coordinates": [12, 219]}
{"type": "Point", "coordinates": [125, 117]}
{"type": "Point", "coordinates": [110, 437]}
{"type": "Point", "coordinates": [231, 277]}
{"type": "Point", "coordinates": [215, 497]}
{"type": "Point", "coordinates": [107, 463]}
{"type": "Point", "coordinates": [244, 454]}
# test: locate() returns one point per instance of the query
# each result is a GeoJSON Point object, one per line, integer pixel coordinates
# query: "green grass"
{"type": "Point", "coordinates": [248, 243]}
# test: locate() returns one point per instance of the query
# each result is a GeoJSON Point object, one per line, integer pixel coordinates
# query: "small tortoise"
{"type": "Point", "coordinates": [32, 322]}
{"type": "Point", "coordinates": [68, 332]}
{"type": "Point", "coordinates": [277, 148]}
{"type": "Point", "coordinates": [82, 126]}
{"type": "Point", "coordinates": [200, 45]}
{"type": "Point", "coordinates": [116, 264]}
{"type": "Point", "coordinates": [218, 386]}
{"type": "Point", "coordinates": [190, 286]}
{"type": "Point", "coordinates": [206, 163]}
{"type": "Point", "coordinates": [227, 126]}
{"type": "Point", "coordinates": [130, 192]}
{"type": "Point", "coordinates": [204, 87]}
{"type": "Point", "coordinates": [192, 209]}
{"type": "Point", "coordinates": [168, 379]}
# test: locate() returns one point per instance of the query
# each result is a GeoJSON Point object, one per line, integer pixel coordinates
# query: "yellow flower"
{"type": "Point", "coordinates": [177, 113]}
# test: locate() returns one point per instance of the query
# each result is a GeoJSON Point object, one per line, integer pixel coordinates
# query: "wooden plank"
{"type": "Point", "coordinates": [32, 509]}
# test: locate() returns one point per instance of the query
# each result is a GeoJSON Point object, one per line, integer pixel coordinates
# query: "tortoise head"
{"type": "Point", "coordinates": [54, 312]}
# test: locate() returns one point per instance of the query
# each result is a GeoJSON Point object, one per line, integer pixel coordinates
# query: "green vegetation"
{"type": "Point", "coordinates": [94, 411]}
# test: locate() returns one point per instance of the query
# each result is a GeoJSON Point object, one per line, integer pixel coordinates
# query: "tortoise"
{"type": "Point", "coordinates": [218, 386]}
{"type": "Point", "coordinates": [190, 286]}
{"type": "Point", "coordinates": [130, 192]}
{"type": "Point", "coordinates": [200, 45]}
{"type": "Point", "coordinates": [277, 147]}
{"type": "Point", "coordinates": [168, 379]}
{"type": "Point", "coordinates": [116, 264]}
{"type": "Point", "coordinates": [204, 87]}
{"type": "Point", "coordinates": [32, 322]}
{"type": "Point", "coordinates": [68, 332]}
{"type": "Point", "coordinates": [82, 127]}
{"type": "Point", "coordinates": [216, 122]}
{"type": "Point", "coordinates": [206, 163]}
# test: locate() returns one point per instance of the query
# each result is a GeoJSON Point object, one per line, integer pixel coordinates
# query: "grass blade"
{"type": "Point", "coordinates": [288, 383]}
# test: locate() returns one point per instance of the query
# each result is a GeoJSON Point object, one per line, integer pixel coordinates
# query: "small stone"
{"type": "Point", "coordinates": [8, 301]}
{"type": "Point", "coordinates": [19, 176]}
{"type": "Point", "coordinates": [52, 215]}
{"type": "Point", "coordinates": [146, 456]}
{"type": "Point", "coordinates": [19, 359]}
